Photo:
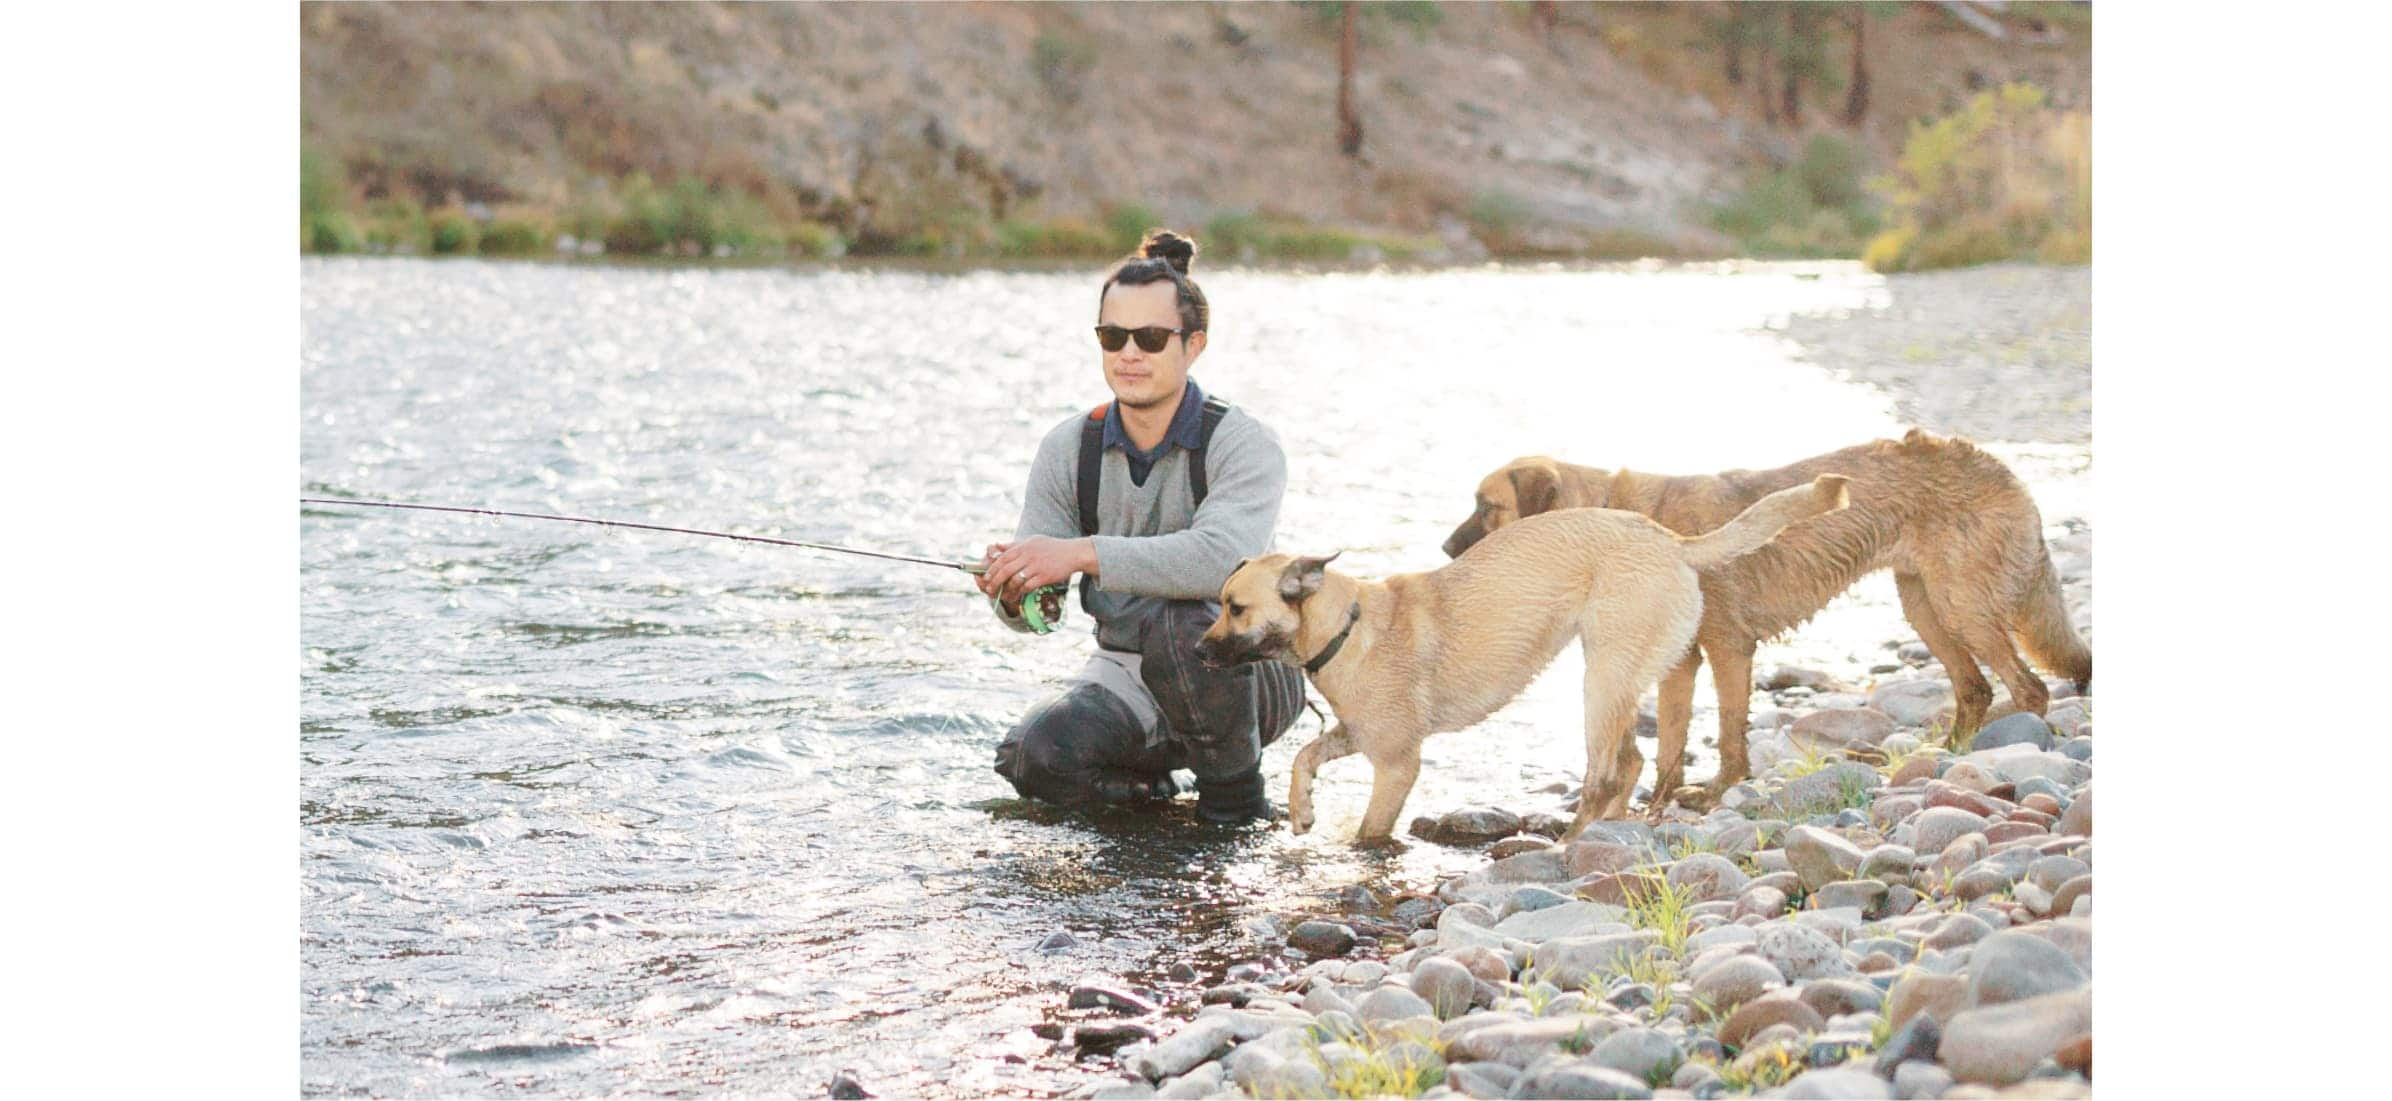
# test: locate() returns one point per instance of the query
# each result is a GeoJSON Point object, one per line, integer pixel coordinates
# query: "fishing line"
{"type": "Point", "coordinates": [1042, 614]}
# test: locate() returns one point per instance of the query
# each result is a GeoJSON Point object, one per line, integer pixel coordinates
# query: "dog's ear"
{"type": "Point", "coordinates": [1302, 577]}
{"type": "Point", "coordinates": [1535, 488]}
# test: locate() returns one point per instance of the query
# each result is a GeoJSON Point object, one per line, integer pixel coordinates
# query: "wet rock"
{"type": "Point", "coordinates": [1639, 1052]}
{"type": "Point", "coordinates": [1821, 857]}
{"type": "Point", "coordinates": [1921, 1080]}
{"type": "Point", "coordinates": [1841, 729]}
{"type": "Point", "coordinates": [1800, 953]}
{"type": "Point", "coordinates": [1515, 846]}
{"type": "Point", "coordinates": [1779, 1008]}
{"type": "Point", "coordinates": [2001, 1044]}
{"type": "Point", "coordinates": [1578, 1078]}
{"type": "Point", "coordinates": [1203, 1040]}
{"type": "Point", "coordinates": [2022, 728]}
{"type": "Point", "coordinates": [1916, 1039]}
{"type": "Point", "coordinates": [1710, 875]}
{"type": "Point", "coordinates": [1098, 994]}
{"type": "Point", "coordinates": [1354, 898]}
{"type": "Point", "coordinates": [845, 1086]}
{"type": "Point", "coordinates": [1102, 1038]}
{"type": "Point", "coordinates": [1183, 972]}
{"type": "Point", "coordinates": [1322, 938]}
{"type": "Point", "coordinates": [1446, 986]}
{"type": "Point", "coordinates": [1470, 826]}
{"type": "Point", "coordinates": [1417, 912]}
{"type": "Point", "coordinates": [1836, 1082]}
{"type": "Point", "coordinates": [1058, 941]}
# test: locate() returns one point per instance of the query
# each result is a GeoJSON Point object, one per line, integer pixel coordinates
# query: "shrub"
{"type": "Point", "coordinates": [452, 232]}
{"type": "Point", "coordinates": [330, 231]}
{"type": "Point", "coordinates": [396, 225]}
{"type": "Point", "coordinates": [2005, 176]}
{"type": "Point", "coordinates": [814, 239]}
{"type": "Point", "coordinates": [1126, 225]}
{"type": "Point", "coordinates": [513, 237]}
{"type": "Point", "coordinates": [1061, 237]}
{"type": "Point", "coordinates": [1817, 206]}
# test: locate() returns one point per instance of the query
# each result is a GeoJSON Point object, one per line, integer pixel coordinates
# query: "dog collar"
{"type": "Point", "coordinates": [1328, 653]}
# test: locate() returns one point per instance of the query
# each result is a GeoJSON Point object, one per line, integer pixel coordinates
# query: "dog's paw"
{"type": "Point", "coordinates": [1299, 822]}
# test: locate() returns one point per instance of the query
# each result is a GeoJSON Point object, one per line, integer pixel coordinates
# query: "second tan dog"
{"type": "Point", "coordinates": [1959, 531]}
{"type": "Point", "coordinates": [1418, 654]}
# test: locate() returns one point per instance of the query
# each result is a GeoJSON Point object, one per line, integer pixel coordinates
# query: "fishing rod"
{"type": "Point", "coordinates": [1042, 614]}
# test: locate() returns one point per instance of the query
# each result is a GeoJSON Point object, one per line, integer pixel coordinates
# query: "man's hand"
{"type": "Point", "coordinates": [1036, 562]}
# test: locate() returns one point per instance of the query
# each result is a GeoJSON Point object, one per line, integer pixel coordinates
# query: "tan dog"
{"type": "Point", "coordinates": [1959, 531]}
{"type": "Point", "coordinates": [1422, 653]}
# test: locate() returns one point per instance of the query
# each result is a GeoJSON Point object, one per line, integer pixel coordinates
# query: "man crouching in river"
{"type": "Point", "coordinates": [1182, 490]}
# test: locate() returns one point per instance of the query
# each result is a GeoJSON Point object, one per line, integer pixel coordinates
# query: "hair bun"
{"type": "Point", "coordinates": [1169, 247]}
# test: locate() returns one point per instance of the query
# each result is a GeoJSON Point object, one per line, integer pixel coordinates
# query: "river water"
{"type": "Point", "coordinates": [588, 811]}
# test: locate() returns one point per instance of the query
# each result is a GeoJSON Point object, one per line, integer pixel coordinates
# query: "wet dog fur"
{"type": "Point", "coordinates": [1958, 529]}
{"type": "Point", "coordinates": [1441, 650]}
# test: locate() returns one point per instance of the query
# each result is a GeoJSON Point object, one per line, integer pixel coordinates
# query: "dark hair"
{"type": "Point", "coordinates": [1164, 255]}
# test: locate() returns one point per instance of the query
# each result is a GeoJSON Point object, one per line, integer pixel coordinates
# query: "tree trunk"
{"type": "Point", "coordinates": [1856, 97]}
{"type": "Point", "coordinates": [1794, 42]}
{"type": "Point", "coordinates": [1349, 121]}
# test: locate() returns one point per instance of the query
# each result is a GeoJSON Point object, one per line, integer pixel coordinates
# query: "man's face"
{"type": "Point", "coordinates": [1136, 376]}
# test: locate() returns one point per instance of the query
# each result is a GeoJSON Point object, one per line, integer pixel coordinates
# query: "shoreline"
{"type": "Point", "coordinates": [1875, 915]}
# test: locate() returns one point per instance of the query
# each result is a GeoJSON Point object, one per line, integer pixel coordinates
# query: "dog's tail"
{"type": "Point", "coordinates": [2049, 638]}
{"type": "Point", "coordinates": [1757, 525]}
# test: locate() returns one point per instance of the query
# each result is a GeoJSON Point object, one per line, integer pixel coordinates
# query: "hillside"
{"type": "Point", "coordinates": [897, 125]}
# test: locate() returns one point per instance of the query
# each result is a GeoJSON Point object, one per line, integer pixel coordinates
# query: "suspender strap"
{"type": "Point", "coordinates": [1092, 465]}
{"type": "Point", "coordinates": [1092, 456]}
{"type": "Point", "coordinates": [1214, 410]}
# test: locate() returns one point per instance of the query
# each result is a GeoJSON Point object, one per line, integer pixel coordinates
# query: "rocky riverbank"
{"type": "Point", "coordinates": [1878, 915]}
{"type": "Point", "coordinates": [2001, 353]}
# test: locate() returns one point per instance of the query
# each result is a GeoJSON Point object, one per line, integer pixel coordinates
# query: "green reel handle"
{"type": "Point", "coordinates": [1042, 607]}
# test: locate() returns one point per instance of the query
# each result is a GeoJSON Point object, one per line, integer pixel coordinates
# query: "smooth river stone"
{"type": "Point", "coordinates": [2001, 1044]}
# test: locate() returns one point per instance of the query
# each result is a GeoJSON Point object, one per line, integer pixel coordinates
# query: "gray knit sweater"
{"type": "Point", "coordinates": [1151, 544]}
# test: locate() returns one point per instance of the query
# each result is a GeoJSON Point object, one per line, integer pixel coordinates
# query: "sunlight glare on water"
{"type": "Point", "coordinates": [591, 811]}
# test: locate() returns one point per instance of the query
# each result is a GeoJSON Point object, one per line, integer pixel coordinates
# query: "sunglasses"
{"type": "Point", "coordinates": [1152, 338]}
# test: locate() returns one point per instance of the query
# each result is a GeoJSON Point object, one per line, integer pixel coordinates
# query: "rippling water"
{"type": "Point", "coordinates": [587, 812]}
